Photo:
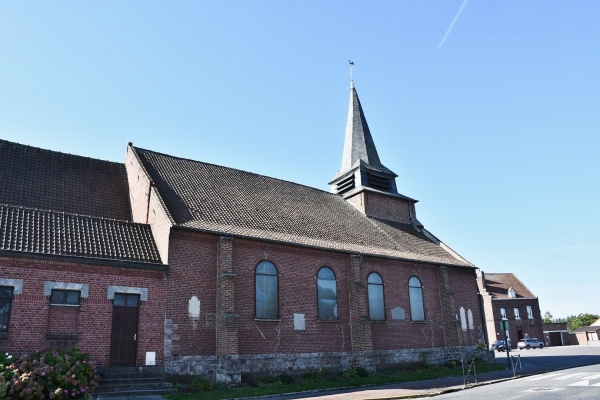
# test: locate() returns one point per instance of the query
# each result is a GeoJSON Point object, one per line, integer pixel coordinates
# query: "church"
{"type": "Point", "coordinates": [214, 271]}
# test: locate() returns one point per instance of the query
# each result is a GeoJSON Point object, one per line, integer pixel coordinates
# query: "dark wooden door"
{"type": "Point", "coordinates": [555, 339]}
{"type": "Point", "coordinates": [123, 340]}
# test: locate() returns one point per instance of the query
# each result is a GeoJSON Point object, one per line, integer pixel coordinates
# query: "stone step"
{"type": "Point", "coordinates": [132, 381]}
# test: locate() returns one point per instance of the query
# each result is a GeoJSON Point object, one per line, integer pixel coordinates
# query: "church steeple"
{"type": "Point", "coordinates": [361, 166]}
{"type": "Point", "coordinates": [363, 180]}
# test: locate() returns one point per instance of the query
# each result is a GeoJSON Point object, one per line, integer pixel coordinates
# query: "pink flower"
{"type": "Point", "coordinates": [73, 376]}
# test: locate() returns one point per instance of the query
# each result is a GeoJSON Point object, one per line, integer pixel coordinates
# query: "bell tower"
{"type": "Point", "coordinates": [362, 179]}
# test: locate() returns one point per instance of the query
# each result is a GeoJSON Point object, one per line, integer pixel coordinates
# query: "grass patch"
{"type": "Point", "coordinates": [192, 388]}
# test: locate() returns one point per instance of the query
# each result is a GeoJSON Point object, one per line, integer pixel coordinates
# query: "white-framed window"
{"type": "Point", "coordinates": [503, 313]}
{"type": "Point", "coordinates": [511, 293]}
{"type": "Point", "coordinates": [529, 312]}
{"type": "Point", "coordinates": [415, 293]}
{"type": "Point", "coordinates": [266, 291]}
{"type": "Point", "coordinates": [327, 295]}
{"type": "Point", "coordinates": [516, 311]}
{"type": "Point", "coordinates": [376, 299]}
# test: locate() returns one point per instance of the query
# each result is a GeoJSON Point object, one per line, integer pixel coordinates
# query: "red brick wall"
{"type": "Point", "coordinates": [146, 207]}
{"type": "Point", "coordinates": [382, 206]}
{"type": "Point", "coordinates": [32, 317]}
{"type": "Point", "coordinates": [531, 327]}
{"type": "Point", "coordinates": [387, 207]}
{"type": "Point", "coordinates": [193, 273]}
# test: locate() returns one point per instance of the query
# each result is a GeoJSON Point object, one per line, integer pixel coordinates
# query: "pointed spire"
{"type": "Point", "coordinates": [358, 144]}
{"type": "Point", "coordinates": [360, 154]}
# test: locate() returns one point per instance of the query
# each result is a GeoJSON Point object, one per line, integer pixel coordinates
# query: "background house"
{"type": "Point", "coordinates": [505, 297]}
{"type": "Point", "coordinates": [588, 335]}
{"type": "Point", "coordinates": [75, 270]}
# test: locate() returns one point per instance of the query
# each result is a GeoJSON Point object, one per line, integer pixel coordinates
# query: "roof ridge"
{"type": "Point", "coordinates": [239, 170]}
{"type": "Point", "coordinates": [60, 152]}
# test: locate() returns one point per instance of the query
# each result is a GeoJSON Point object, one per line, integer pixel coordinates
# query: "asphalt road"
{"type": "Point", "coordinates": [580, 383]}
{"type": "Point", "coordinates": [553, 358]}
{"type": "Point", "coordinates": [533, 362]}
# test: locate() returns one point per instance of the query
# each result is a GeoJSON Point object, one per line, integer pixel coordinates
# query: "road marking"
{"type": "Point", "coordinates": [596, 384]}
{"type": "Point", "coordinates": [577, 375]}
{"type": "Point", "coordinates": [538, 378]}
{"type": "Point", "coordinates": [595, 376]}
{"type": "Point", "coordinates": [584, 382]}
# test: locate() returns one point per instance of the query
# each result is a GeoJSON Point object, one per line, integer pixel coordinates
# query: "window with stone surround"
{"type": "Point", "coordinates": [517, 314]}
{"type": "Point", "coordinates": [64, 297]}
{"type": "Point", "coordinates": [376, 299]}
{"type": "Point", "coordinates": [503, 313]}
{"type": "Point", "coordinates": [327, 295]}
{"type": "Point", "coordinates": [529, 312]}
{"type": "Point", "coordinates": [415, 292]}
{"type": "Point", "coordinates": [6, 295]}
{"type": "Point", "coordinates": [266, 294]}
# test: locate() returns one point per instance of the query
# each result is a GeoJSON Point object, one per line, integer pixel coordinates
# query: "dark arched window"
{"type": "Point", "coordinates": [375, 293]}
{"type": "Point", "coordinates": [415, 292]}
{"type": "Point", "coordinates": [266, 297]}
{"type": "Point", "coordinates": [327, 295]}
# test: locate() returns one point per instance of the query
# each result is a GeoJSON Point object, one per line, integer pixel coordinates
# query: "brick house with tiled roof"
{"type": "Point", "coordinates": [70, 255]}
{"type": "Point", "coordinates": [266, 275]}
{"type": "Point", "coordinates": [505, 297]}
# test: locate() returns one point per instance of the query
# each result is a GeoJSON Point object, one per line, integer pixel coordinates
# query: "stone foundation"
{"type": "Point", "coordinates": [229, 368]}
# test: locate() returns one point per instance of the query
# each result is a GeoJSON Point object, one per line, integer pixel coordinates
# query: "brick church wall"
{"type": "Point", "coordinates": [205, 344]}
{"type": "Point", "coordinates": [35, 324]}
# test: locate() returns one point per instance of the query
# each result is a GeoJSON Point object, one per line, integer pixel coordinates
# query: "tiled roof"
{"type": "Point", "coordinates": [229, 201]}
{"type": "Point", "coordinates": [54, 233]}
{"type": "Point", "coordinates": [498, 284]}
{"type": "Point", "coordinates": [49, 180]}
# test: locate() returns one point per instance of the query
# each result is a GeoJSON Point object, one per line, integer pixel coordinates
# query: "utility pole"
{"type": "Point", "coordinates": [504, 327]}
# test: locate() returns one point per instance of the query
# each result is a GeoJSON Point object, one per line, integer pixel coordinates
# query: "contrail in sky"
{"type": "Point", "coordinates": [452, 23]}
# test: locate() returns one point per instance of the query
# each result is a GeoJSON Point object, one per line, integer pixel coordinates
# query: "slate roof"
{"type": "Point", "coordinates": [49, 180]}
{"type": "Point", "coordinates": [497, 284]}
{"type": "Point", "coordinates": [60, 204]}
{"type": "Point", "coordinates": [54, 233]}
{"type": "Point", "coordinates": [358, 143]}
{"type": "Point", "coordinates": [224, 200]}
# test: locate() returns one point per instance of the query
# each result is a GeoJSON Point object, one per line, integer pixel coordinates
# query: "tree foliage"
{"type": "Point", "coordinates": [581, 320]}
{"type": "Point", "coordinates": [574, 321]}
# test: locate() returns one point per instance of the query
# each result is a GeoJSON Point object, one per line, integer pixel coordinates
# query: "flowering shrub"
{"type": "Point", "coordinates": [47, 375]}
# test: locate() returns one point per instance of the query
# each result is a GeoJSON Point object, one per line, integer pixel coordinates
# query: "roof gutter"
{"type": "Point", "coordinates": [84, 260]}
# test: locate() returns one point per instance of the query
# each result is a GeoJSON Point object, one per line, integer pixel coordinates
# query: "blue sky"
{"type": "Point", "coordinates": [489, 112]}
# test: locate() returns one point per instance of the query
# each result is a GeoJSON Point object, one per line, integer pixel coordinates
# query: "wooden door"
{"type": "Point", "coordinates": [123, 340]}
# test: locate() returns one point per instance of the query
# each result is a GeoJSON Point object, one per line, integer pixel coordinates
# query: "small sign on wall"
{"type": "Point", "coordinates": [150, 358]}
{"type": "Point", "coordinates": [299, 323]}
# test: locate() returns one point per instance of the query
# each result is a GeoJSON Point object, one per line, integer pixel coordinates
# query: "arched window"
{"type": "Point", "coordinates": [375, 293]}
{"type": "Point", "coordinates": [327, 295]}
{"type": "Point", "coordinates": [415, 292]}
{"type": "Point", "coordinates": [266, 297]}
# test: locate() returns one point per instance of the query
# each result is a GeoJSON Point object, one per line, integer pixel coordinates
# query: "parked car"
{"type": "Point", "coordinates": [499, 346]}
{"type": "Point", "coordinates": [530, 343]}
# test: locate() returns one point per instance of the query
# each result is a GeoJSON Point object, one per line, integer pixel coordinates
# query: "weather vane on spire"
{"type": "Point", "coordinates": [351, 65]}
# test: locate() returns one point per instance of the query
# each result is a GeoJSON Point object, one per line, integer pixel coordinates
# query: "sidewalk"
{"type": "Point", "coordinates": [418, 389]}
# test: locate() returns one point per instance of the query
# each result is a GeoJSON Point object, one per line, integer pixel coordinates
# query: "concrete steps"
{"type": "Point", "coordinates": [132, 381]}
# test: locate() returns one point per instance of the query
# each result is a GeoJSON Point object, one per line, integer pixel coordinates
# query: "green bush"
{"type": "Point", "coordinates": [47, 375]}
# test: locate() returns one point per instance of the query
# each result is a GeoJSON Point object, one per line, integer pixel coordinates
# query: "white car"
{"type": "Point", "coordinates": [530, 343]}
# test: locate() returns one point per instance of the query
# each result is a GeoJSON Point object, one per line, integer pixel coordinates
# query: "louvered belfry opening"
{"type": "Point", "coordinates": [379, 182]}
{"type": "Point", "coordinates": [346, 185]}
